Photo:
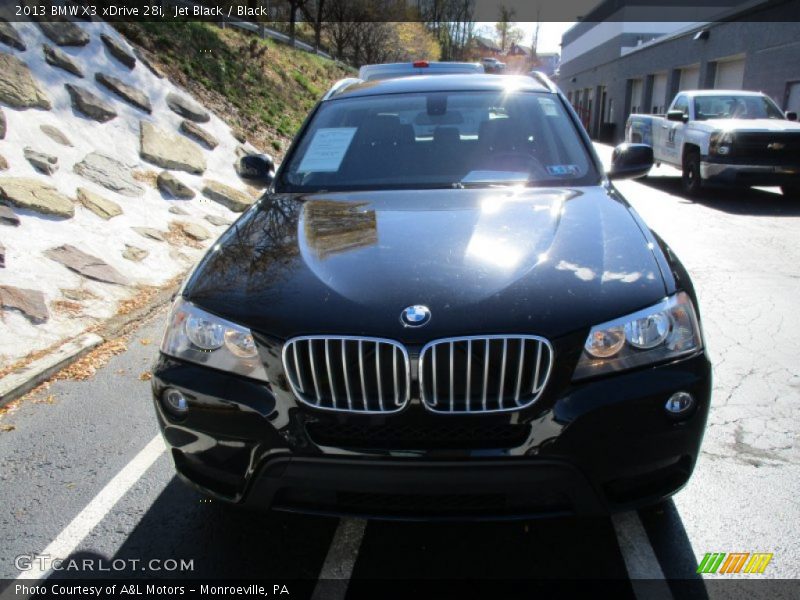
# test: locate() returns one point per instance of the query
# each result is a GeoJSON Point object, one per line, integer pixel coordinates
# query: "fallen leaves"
{"type": "Point", "coordinates": [7, 427]}
{"type": "Point", "coordinates": [177, 237]}
{"type": "Point", "coordinates": [139, 300]}
{"type": "Point", "coordinates": [50, 399]}
{"type": "Point", "coordinates": [145, 341]}
{"type": "Point", "coordinates": [86, 367]}
{"type": "Point", "coordinates": [33, 356]}
{"type": "Point", "coordinates": [67, 307]}
{"type": "Point", "coordinates": [148, 177]}
{"type": "Point", "coordinates": [146, 376]}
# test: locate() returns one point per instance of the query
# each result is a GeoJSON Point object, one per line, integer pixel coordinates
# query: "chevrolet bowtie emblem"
{"type": "Point", "coordinates": [776, 146]}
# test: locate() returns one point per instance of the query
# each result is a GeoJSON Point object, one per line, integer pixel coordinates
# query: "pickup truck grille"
{"type": "Point", "coordinates": [779, 148]}
{"type": "Point", "coordinates": [484, 374]}
{"type": "Point", "coordinates": [351, 374]}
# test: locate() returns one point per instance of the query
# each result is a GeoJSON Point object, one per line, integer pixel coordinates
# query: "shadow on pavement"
{"type": "Point", "coordinates": [561, 548]}
{"type": "Point", "coordinates": [222, 541]}
{"type": "Point", "coordinates": [677, 557]}
{"type": "Point", "coordinates": [733, 200]}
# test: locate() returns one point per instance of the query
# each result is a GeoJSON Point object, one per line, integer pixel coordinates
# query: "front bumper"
{"type": "Point", "coordinates": [589, 448]}
{"type": "Point", "coordinates": [734, 173]}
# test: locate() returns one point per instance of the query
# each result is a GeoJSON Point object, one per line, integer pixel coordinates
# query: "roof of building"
{"type": "Point", "coordinates": [519, 47]}
{"type": "Point", "coordinates": [737, 11]}
{"type": "Point", "coordinates": [441, 83]}
{"type": "Point", "coordinates": [486, 43]}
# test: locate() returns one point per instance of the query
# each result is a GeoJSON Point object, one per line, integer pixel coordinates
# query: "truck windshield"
{"type": "Point", "coordinates": [439, 139]}
{"type": "Point", "coordinates": [735, 107]}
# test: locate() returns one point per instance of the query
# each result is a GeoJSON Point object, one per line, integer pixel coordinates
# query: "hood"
{"type": "Point", "coordinates": [537, 261]}
{"type": "Point", "coordinates": [752, 125]}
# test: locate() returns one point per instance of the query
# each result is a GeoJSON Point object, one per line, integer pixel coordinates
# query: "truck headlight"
{"type": "Point", "coordinates": [668, 330]}
{"type": "Point", "coordinates": [719, 142]}
{"type": "Point", "coordinates": [197, 336]}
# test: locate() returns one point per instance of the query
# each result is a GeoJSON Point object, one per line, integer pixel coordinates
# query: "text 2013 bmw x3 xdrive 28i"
{"type": "Point", "coordinates": [441, 308]}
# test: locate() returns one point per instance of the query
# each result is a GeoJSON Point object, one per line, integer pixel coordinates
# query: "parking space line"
{"type": "Point", "coordinates": [334, 576]}
{"type": "Point", "coordinates": [73, 534]}
{"type": "Point", "coordinates": [644, 570]}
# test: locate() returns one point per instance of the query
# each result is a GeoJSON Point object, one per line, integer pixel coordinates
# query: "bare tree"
{"type": "Point", "coordinates": [451, 22]}
{"type": "Point", "coordinates": [294, 6]}
{"type": "Point", "coordinates": [340, 25]}
{"type": "Point", "coordinates": [313, 13]}
{"type": "Point", "coordinates": [505, 26]}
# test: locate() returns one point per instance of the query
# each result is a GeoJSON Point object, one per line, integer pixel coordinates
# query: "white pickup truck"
{"type": "Point", "coordinates": [721, 136]}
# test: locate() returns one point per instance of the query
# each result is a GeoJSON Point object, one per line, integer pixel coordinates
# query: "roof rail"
{"type": "Point", "coordinates": [340, 86]}
{"type": "Point", "coordinates": [544, 80]}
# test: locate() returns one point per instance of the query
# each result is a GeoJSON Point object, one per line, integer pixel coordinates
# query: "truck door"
{"type": "Point", "coordinates": [674, 132]}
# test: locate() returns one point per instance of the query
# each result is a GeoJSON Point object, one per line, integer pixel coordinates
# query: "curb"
{"type": "Point", "coordinates": [17, 384]}
{"type": "Point", "coordinates": [14, 385]}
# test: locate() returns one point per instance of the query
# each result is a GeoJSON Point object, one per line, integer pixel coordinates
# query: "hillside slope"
{"type": "Point", "coordinates": [262, 87]}
{"type": "Point", "coordinates": [86, 223]}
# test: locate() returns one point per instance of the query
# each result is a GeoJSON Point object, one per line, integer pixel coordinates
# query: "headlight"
{"type": "Point", "coordinates": [667, 330]}
{"type": "Point", "coordinates": [720, 142]}
{"type": "Point", "coordinates": [197, 336]}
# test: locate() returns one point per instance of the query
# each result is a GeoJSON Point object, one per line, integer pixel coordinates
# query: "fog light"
{"type": "Point", "coordinates": [175, 402]}
{"type": "Point", "coordinates": [679, 403]}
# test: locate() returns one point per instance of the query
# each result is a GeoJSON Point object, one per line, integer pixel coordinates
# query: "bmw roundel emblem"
{"type": "Point", "coordinates": [415, 316]}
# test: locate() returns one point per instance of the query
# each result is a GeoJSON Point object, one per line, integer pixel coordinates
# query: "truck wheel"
{"type": "Point", "coordinates": [692, 182]}
{"type": "Point", "coordinates": [791, 192]}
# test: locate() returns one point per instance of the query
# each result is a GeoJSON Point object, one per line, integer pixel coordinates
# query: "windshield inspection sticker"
{"type": "Point", "coordinates": [562, 170]}
{"type": "Point", "coordinates": [327, 149]}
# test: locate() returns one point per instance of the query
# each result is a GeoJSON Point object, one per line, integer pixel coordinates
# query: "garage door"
{"type": "Point", "coordinates": [636, 96]}
{"type": "Point", "coordinates": [690, 76]}
{"type": "Point", "coordinates": [730, 74]}
{"type": "Point", "coordinates": [659, 93]}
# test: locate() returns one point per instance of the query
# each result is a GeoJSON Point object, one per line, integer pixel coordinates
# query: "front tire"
{"type": "Point", "coordinates": [791, 192]}
{"type": "Point", "coordinates": [691, 179]}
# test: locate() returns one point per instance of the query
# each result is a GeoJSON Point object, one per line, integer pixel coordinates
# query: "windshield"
{"type": "Point", "coordinates": [735, 107]}
{"type": "Point", "coordinates": [440, 139]}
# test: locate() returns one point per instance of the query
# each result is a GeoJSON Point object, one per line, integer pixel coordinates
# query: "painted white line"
{"type": "Point", "coordinates": [644, 571]}
{"type": "Point", "coordinates": [73, 534]}
{"type": "Point", "coordinates": [334, 576]}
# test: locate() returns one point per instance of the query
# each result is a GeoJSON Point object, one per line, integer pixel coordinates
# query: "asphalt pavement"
{"type": "Point", "coordinates": [83, 472]}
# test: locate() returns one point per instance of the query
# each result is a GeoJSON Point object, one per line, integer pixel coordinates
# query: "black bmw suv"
{"type": "Point", "coordinates": [441, 308]}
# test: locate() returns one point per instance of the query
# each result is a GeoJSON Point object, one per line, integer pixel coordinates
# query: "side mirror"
{"type": "Point", "coordinates": [677, 115]}
{"type": "Point", "coordinates": [630, 160]}
{"type": "Point", "coordinates": [257, 167]}
{"type": "Point", "coordinates": [791, 115]}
